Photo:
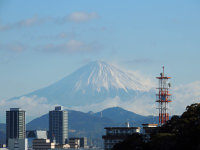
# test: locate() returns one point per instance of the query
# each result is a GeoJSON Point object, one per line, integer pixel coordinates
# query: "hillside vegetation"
{"type": "Point", "coordinates": [179, 133]}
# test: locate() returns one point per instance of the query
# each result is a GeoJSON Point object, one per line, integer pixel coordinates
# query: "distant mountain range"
{"type": "Point", "coordinates": [120, 116]}
{"type": "Point", "coordinates": [114, 116]}
{"type": "Point", "coordinates": [90, 124]}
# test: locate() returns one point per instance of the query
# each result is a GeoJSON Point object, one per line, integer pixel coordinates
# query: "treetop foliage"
{"type": "Point", "coordinates": [179, 133]}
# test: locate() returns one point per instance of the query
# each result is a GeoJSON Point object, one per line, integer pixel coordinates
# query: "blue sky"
{"type": "Point", "coordinates": [43, 41]}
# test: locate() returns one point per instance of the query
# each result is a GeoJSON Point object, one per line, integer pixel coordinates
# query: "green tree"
{"type": "Point", "coordinates": [179, 133]}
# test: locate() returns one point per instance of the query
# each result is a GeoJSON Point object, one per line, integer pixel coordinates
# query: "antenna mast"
{"type": "Point", "coordinates": [163, 97]}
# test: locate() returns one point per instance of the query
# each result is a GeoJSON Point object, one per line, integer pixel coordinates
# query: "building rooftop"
{"type": "Point", "coordinates": [150, 125]}
{"type": "Point", "coordinates": [15, 109]}
{"type": "Point", "coordinates": [39, 134]}
{"type": "Point", "coordinates": [125, 128]}
{"type": "Point", "coordinates": [58, 107]}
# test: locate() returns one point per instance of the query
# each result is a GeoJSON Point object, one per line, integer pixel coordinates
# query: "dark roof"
{"type": "Point", "coordinates": [125, 128]}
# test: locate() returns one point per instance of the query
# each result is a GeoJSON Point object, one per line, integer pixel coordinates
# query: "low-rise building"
{"type": "Point", "coordinates": [62, 146]}
{"type": "Point", "coordinates": [43, 144]}
{"type": "Point", "coordinates": [74, 143]}
{"type": "Point", "coordinates": [17, 144]}
{"type": "Point", "coordinates": [77, 142]}
{"type": "Point", "coordinates": [115, 135]}
{"type": "Point", "coordinates": [35, 134]}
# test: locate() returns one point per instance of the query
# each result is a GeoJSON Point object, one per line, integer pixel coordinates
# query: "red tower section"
{"type": "Point", "coordinates": [163, 97]}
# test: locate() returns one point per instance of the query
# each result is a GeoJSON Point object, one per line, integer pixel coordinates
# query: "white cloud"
{"type": "Point", "coordinates": [28, 22]}
{"type": "Point", "coordinates": [140, 105]}
{"type": "Point", "coordinates": [76, 17]}
{"type": "Point", "coordinates": [53, 37]}
{"type": "Point", "coordinates": [185, 95]}
{"type": "Point", "coordinates": [110, 102]}
{"type": "Point", "coordinates": [15, 47]}
{"type": "Point", "coordinates": [72, 46]}
{"type": "Point", "coordinates": [81, 16]}
{"type": "Point", "coordinates": [34, 106]}
{"type": "Point", "coordinates": [69, 47]}
{"type": "Point", "coordinates": [182, 96]}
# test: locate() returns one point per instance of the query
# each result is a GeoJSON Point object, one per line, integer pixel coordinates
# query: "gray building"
{"type": "Point", "coordinates": [35, 134]}
{"type": "Point", "coordinates": [15, 124]}
{"type": "Point", "coordinates": [77, 142]}
{"type": "Point", "coordinates": [17, 144]}
{"type": "Point", "coordinates": [58, 125]}
{"type": "Point", "coordinates": [43, 144]}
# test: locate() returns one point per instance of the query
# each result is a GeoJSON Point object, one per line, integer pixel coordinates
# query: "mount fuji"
{"type": "Point", "coordinates": [94, 83]}
{"type": "Point", "coordinates": [99, 85]}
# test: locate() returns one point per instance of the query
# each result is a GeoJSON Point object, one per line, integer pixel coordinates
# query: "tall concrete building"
{"type": "Point", "coordinates": [16, 129]}
{"type": "Point", "coordinates": [15, 124]}
{"type": "Point", "coordinates": [58, 125]}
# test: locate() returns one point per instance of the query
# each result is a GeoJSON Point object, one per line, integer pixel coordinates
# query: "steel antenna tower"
{"type": "Point", "coordinates": [163, 97]}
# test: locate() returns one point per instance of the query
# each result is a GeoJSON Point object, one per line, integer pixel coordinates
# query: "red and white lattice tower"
{"type": "Point", "coordinates": [163, 97]}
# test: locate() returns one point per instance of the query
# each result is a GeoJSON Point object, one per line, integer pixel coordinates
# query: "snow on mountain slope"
{"type": "Point", "coordinates": [102, 75]}
{"type": "Point", "coordinates": [93, 83]}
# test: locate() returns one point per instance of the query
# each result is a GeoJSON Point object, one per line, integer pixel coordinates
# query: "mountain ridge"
{"type": "Point", "coordinates": [116, 116]}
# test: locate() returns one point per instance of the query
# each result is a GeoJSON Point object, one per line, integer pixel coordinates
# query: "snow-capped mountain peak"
{"type": "Point", "coordinates": [100, 75]}
{"type": "Point", "coordinates": [94, 83]}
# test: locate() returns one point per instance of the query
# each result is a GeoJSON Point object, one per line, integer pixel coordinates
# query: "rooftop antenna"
{"type": "Point", "coordinates": [127, 124]}
{"type": "Point", "coordinates": [54, 139]}
{"type": "Point", "coordinates": [163, 70]}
